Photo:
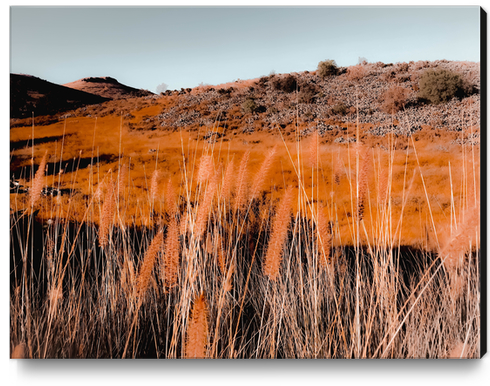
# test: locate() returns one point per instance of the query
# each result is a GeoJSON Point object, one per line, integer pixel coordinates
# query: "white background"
{"type": "Point", "coordinates": [245, 372]}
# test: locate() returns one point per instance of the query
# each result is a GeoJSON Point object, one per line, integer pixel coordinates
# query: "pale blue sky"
{"type": "Point", "coordinates": [182, 47]}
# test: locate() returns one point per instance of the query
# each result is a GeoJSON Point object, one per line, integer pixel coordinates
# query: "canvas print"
{"type": "Point", "coordinates": [246, 182]}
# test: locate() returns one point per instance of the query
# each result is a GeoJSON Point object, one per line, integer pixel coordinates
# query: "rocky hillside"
{"type": "Point", "coordinates": [305, 101]}
{"type": "Point", "coordinates": [107, 87]}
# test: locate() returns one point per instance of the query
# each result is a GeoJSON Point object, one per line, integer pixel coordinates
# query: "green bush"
{"type": "Point", "coordinates": [438, 86]}
{"type": "Point", "coordinates": [327, 68]}
{"type": "Point", "coordinates": [249, 106]}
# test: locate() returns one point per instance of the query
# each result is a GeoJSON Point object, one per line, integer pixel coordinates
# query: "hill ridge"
{"type": "Point", "coordinates": [107, 87]}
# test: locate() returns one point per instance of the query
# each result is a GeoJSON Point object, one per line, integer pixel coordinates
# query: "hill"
{"type": "Point", "coordinates": [107, 87]}
{"type": "Point", "coordinates": [30, 94]}
{"type": "Point", "coordinates": [297, 101]}
{"type": "Point", "coordinates": [304, 103]}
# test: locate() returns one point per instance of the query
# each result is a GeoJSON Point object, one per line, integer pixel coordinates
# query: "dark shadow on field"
{"type": "Point", "coordinates": [41, 230]}
{"type": "Point", "coordinates": [68, 166]}
{"type": "Point", "coordinates": [15, 145]}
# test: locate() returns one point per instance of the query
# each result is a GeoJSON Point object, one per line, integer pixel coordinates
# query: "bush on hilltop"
{"type": "Point", "coordinates": [327, 68]}
{"type": "Point", "coordinates": [439, 86]}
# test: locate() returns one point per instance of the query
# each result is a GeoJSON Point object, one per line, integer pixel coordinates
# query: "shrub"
{"type": "Point", "coordinates": [401, 78]}
{"type": "Point", "coordinates": [307, 93]}
{"type": "Point", "coordinates": [402, 67]}
{"type": "Point", "coordinates": [388, 76]}
{"type": "Point", "coordinates": [272, 110]}
{"type": "Point", "coordinates": [286, 84]}
{"type": "Point", "coordinates": [263, 81]}
{"type": "Point", "coordinates": [276, 83]}
{"type": "Point", "coordinates": [327, 68]}
{"type": "Point", "coordinates": [289, 83]}
{"type": "Point", "coordinates": [339, 109]}
{"type": "Point", "coordinates": [249, 106]}
{"type": "Point", "coordinates": [356, 72]}
{"type": "Point", "coordinates": [260, 109]}
{"type": "Point", "coordinates": [224, 91]}
{"type": "Point", "coordinates": [394, 99]}
{"type": "Point", "coordinates": [438, 86]}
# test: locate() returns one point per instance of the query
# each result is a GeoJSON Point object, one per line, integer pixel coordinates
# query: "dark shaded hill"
{"type": "Point", "coordinates": [29, 94]}
{"type": "Point", "coordinates": [107, 87]}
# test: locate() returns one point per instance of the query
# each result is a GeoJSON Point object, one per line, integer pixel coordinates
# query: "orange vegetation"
{"type": "Point", "coordinates": [209, 240]}
{"type": "Point", "coordinates": [269, 164]}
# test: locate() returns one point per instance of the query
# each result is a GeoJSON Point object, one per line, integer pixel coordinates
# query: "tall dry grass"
{"type": "Point", "coordinates": [148, 264]}
{"type": "Point", "coordinates": [273, 257]}
{"type": "Point", "coordinates": [197, 330]}
{"type": "Point", "coordinates": [37, 183]}
{"type": "Point", "coordinates": [171, 264]}
{"type": "Point", "coordinates": [107, 214]}
{"type": "Point", "coordinates": [242, 182]}
{"type": "Point", "coordinates": [317, 270]}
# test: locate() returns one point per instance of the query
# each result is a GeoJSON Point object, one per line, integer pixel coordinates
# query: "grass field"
{"type": "Point", "coordinates": [267, 245]}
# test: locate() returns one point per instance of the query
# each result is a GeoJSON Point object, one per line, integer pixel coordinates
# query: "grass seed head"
{"type": "Point", "coordinates": [38, 182]}
{"type": "Point", "coordinates": [273, 258]}
{"type": "Point", "coordinates": [197, 329]}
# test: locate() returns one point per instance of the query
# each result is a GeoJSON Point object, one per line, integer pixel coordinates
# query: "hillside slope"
{"type": "Point", "coordinates": [304, 103]}
{"type": "Point", "coordinates": [29, 94]}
